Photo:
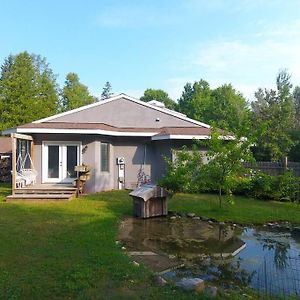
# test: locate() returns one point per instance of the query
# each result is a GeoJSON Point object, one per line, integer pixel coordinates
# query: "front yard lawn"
{"type": "Point", "coordinates": [68, 250]}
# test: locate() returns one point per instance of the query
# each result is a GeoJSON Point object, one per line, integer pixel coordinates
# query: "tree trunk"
{"type": "Point", "coordinates": [220, 197]}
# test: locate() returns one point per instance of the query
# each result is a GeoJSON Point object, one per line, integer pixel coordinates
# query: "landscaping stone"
{"type": "Point", "coordinates": [210, 222]}
{"type": "Point", "coordinates": [161, 281]}
{"type": "Point", "coordinates": [191, 215]}
{"type": "Point", "coordinates": [205, 219]}
{"type": "Point", "coordinates": [135, 263]}
{"type": "Point", "coordinates": [189, 284]}
{"type": "Point", "coordinates": [222, 223]}
{"type": "Point", "coordinates": [123, 248]}
{"type": "Point", "coordinates": [173, 218]}
{"type": "Point", "coordinates": [196, 218]}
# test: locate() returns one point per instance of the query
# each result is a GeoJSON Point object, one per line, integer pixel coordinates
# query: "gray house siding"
{"type": "Point", "coordinates": [132, 149]}
{"type": "Point", "coordinates": [124, 113]}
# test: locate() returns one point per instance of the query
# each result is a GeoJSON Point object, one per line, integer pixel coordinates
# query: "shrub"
{"type": "Point", "coordinates": [263, 186]}
{"type": "Point", "coordinates": [183, 172]}
{"type": "Point", "coordinates": [288, 187]}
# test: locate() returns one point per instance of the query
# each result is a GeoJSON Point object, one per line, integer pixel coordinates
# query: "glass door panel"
{"type": "Point", "coordinates": [53, 161]}
{"type": "Point", "coordinates": [72, 161]}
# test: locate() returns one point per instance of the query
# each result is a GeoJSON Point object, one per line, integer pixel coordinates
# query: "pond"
{"type": "Point", "coordinates": [266, 258]}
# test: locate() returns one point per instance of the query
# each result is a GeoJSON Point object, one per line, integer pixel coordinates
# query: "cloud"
{"type": "Point", "coordinates": [248, 63]}
{"type": "Point", "coordinates": [129, 16]}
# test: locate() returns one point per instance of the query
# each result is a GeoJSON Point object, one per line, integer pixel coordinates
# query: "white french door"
{"type": "Point", "coordinates": [59, 160]}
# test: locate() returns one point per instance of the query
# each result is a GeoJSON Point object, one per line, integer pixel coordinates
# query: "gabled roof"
{"type": "Point", "coordinates": [72, 124]}
{"type": "Point", "coordinates": [117, 97]}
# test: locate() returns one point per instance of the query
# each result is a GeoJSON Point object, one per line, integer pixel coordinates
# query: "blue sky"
{"type": "Point", "coordinates": [159, 43]}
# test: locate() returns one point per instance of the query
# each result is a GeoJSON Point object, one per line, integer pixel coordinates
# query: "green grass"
{"type": "Point", "coordinates": [244, 210]}
{"type": "Point", "coordinates": [68, 250]}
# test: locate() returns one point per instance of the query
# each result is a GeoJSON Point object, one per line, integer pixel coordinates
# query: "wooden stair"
{"type": "Point", "coordinates": [43, 193]}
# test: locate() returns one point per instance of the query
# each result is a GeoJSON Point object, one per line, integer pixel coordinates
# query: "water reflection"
{"type": "Point", "coordinates": [267, 259]}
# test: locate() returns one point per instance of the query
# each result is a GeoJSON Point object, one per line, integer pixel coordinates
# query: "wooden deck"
{"type": "Point", "coordinates": [44, 192]}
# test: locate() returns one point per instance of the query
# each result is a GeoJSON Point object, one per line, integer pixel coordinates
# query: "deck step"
{"type": "Point", "coordinates": [48, 191]}
{"type": "Point", "coordinates": [39, 197]}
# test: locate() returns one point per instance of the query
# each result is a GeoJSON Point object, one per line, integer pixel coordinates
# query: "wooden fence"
{"type": "Point", "coordinates": [274, 168]}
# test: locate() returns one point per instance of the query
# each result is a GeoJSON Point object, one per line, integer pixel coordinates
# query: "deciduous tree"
{"type": "Point", "coordinates": [159, 95]}
{"type": "Point", "coordinates": [273, 118]}
{"type": "Point", "coordinates": [75, 94]}
{"type": "Point", "coordinates": [28, 90]}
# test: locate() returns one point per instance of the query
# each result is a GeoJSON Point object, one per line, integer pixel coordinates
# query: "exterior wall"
{"type": "Point", "coordinates": [125, 113]}
{"type": "Point", "coordinates": [142, 156]}
{"type": "Point", "coordinates": [139, 160]}
{"type": "Point", "coordinates": [88, 155]}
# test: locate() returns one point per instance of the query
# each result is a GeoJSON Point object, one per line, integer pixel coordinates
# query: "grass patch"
{"type": "Point", "coordinates": [244, 210]}
{"type": "Point", "coordinates": [68, 250]}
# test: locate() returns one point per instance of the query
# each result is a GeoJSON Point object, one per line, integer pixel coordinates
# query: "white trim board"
{"type": "Point", "coordinates": [117, 97]}
{"type": "Point", "coordinates": [80, 131]}
{"type": "Point", "coordinates": [189, 137]}
{"type": "Point", "coordinates": [179, 137]}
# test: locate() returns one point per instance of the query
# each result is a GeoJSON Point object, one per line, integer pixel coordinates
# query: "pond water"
{"type": "Point", "coordinates": [265, 258]}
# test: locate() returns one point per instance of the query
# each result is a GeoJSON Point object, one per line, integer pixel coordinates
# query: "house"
{"type": "Point", "coordinates": [123, 139]}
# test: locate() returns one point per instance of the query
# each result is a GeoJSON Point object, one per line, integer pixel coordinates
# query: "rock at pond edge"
{"type": "Point", "coordinates": [190, 284]}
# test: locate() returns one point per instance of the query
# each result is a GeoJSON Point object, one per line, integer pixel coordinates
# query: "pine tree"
{"type": "Point", "coordinates": [107, 91]}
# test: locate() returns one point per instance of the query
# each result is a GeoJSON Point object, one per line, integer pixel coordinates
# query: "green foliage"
{"type": "Point", "coordinates": [28, 90]}
{"type": "Point", "coordinates": [285, 187]}
{"type": "Point", "coordinates": [75, 94]}
{"type": "Point", "coordinates": [106, 91]}
{"type": "Point", "coordinates": [296, 102]}
{"type": "Point", "coordinates": [183, 171]}
{"type": "Point", "coordinates": [294, 154]}
{"type": "Point", "coordinates": [187, 173]}
{"type": "Point", "coordinates": [263, 186]}
{"type": "Point", "coordinates": [273, 118]}
{"type": "Point", "coordinates": [224, 106]}
{"type": "Point", "coordinates": [225, 159]}
{"type": "Point", "coordinates": [161, 96]}
{"type": "Point", "coordinates": [289, 187]}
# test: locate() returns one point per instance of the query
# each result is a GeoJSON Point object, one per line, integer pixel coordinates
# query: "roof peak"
{"type": "Point", "coordinates": [127, 97]}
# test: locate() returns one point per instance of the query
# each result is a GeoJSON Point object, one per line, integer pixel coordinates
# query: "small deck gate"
{"type": "Point", "coordinates": [149, 200]}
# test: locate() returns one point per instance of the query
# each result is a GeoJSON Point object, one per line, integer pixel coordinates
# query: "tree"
{"type": "Point", "coordinates": [159, 95]}
{"type": "Point", "coordinates": [273, 118]}
{"type": "Point", "coordinates": [224, 106]}
{"type": "Point", "coordinates": [228, 109]}
{"type": "Point", "coordinates": [296, 102]}
{"type": "Point", "coordinates": [107, 91]}
{"type": "Point", "coordinates": [225, 161]}
{"type": "Point", "coordinates": [75, 94]}
{"type": "Point", "coordinates": [28, 90]}
{"type": "Point", "coordinates": [194, 100]}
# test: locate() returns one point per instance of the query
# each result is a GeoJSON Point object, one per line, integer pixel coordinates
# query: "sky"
{"type": "Point", "coordinates": [160, 44]}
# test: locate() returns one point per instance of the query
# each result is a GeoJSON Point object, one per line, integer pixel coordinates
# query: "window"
{"type": "Point", "coordinates": [104, 157]}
